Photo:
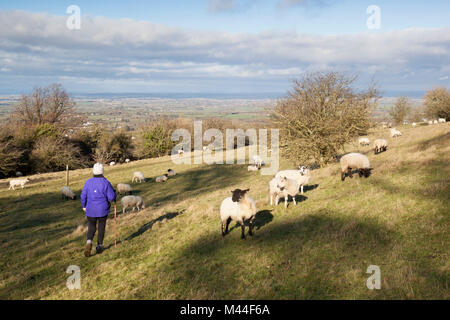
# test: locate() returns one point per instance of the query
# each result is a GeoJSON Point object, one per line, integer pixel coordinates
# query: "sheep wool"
{"type": "Point", "coordinates": [18, 182]}
{"type": "Point", "coordinates": [170, 172]}
{"type": "Point", "coordinates": [302, 176]}
{"type": "Point", "coordinates": [395, 133]}
{"type": "Point", "coordinates": [441, 120]}
{"type": "Point", "coordinates": [67, 193]}
{"type": "Point", "coordinates": [288, 187]}
{"type": "Point", "coordinates": [134, 202]}
{"type": "Point", "coordinates": [364, 141]}
{"type": "Point", "coordinates": [123, 188]}
{"type": "Point", "coordinates": [162, 178]}
{"type": "Point", "coordinates": [239, 207]}
{"type": "Point", "coordinates": [379, 145]}
{"type": "Point", "coordinates": [355, 161]}
{"type": "Point", "coordinates": [138, 176]}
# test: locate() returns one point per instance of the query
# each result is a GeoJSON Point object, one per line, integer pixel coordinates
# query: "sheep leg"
{"type": "Point", "coordinates": [250, 226]}
{"type": "Point", "coordinates": [350, 173]}
{"type": "Point", "coordinates": [293, 199]}
{"type": "Point", "coordinates": [242, 229]}
{"type": "Point", "coordinates": [343, 175]}
{"type": "Point", "coordinates": [360, 173]}
{"type": "Point", "coordinates": [227, 223]}
{"type": "Point", "coordinates": [302, 191]}
{"type": "Point", "coordinates": [271, 199]}
{"type": "Point", "coordinates": [277, 199]}
{"type": "Point", "coordinates": [286, 197]}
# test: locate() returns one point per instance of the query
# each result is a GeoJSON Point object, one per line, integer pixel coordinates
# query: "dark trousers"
{"type": "Point", "coordinates": [92, 227]}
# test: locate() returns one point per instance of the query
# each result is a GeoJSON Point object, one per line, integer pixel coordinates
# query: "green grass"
{"type": "Point", "coordinates": [397, 219]}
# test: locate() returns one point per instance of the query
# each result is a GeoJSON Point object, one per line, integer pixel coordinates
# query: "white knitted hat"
{"type": "Point", "coordinates": [98, 169]}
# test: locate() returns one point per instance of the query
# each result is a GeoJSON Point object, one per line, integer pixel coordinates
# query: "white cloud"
{"type": "Point", "coordinates": [40, 45]}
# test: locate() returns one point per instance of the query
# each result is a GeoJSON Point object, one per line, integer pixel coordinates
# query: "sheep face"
{"type": "Point", "coordinates": [365, 172]}
{"type": "Point", "coordinates": [282, 183]}
{"type": "Point", "coordinates": [238, 194]}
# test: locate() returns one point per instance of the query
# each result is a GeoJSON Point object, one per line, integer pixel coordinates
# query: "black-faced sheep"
{"type": "Point", "coordinates": [355, 161]}
{"type": "Point", "coordinates": [379, 145]}
{"type": "Point", "coordinates": [239, 207]}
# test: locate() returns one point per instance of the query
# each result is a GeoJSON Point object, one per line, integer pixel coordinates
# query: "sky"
{"type": "Point", "coordinates": [222, 46]}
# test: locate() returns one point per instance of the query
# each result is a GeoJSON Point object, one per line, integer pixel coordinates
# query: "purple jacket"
{"type": "Point", "coordinates": [97, 191]}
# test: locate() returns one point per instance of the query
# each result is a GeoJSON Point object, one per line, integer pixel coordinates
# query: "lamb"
{"type": "Point", "coordinates": [355, 161]}
{"type": "Point", "coordinates": [138, 176]}
{"type": "Point", "coordinates": [134, 202]}
{"type": "Point", "coordinates": [395, 133]}
{"type": "Point", "coordinates": [171, 172]}
{"type": "Point", "coordinates": [17, 182]}
{"type": "Point", "coordinates": [127, 160]}
{"type": "Point", "coordinates": [162, 178]}
{"type": "Point", "coordinates": [123, 188]}
{"type": "Point", "coordinates": [379, 145]}
{"type": "Point", "coordinates": [67, 193]}
{"type": "Point", "coordinates": [239, 207]}
{"type": "Point", "coordinates": [112, 163]}
{"type": "Point", "coordinates": [258, 161]}
{"type": "Point", "coordinates": [252, 168]}
{"type": "Point", "coordinates": [302, 176]}
{"type": "Point", "coordinates": [287, 187]}
{"type": "Point", "coordinates": [364, 141]}
{"type": "Point", "coordinates": [441, 120]}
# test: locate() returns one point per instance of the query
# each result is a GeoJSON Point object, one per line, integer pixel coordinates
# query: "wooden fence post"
{"type": "Point", "coordinates": [67, 175]}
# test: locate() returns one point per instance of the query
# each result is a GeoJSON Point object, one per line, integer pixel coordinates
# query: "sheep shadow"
{"type": "Point", "coordinates": [149, 225]}
{"type": "Point", "coordinates": [310, 187]}
{"type": "Point", "coordinates": [262, 218]}
{"type": "Point", "coordinates": [298, 198]}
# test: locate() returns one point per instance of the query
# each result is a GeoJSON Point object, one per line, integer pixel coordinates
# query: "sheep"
{"type": "Point", "coordinates": [258, 161]}
{"type": "Point", "coordinates": [302, 176]}
{"type": "Point", "coordinates": [19, 174]}
{"type": "Point", "coordinates": [379, 145]}
{"type": "Point", "coordinates": [355, 161]}
{"type": "Point", "coordinates": [430, 122]}
{"type": "Point", "coordinates": [364, 141]}
{"type": "Point", "coordinates": [138, 176]}
{"type": "Point", "coordinates": [435, 122]}
{"type": "Point", "coordinates": [127, 160]}
{"type": "Point", "coordinates": [17, 182]}
{"type": "Point", "coordinates": [112, 163]}
{"type": "Point", "coordinates": [274, 191]}
{"type": "Point", "coordinates": [171, 172]}
{"type": "Point", "coordinates": [123, 188]}
{"type": "Point", "coordinates": [252, 168]}
{"type": "Point", "coordinates": [441, 120]}
{"type": "Point", "coordinates": [239, 207]}
{"type": "Point", "coordinates": [67, 193]}
{"type": "Point", "coordinates": [414, 124]}
{"type": "Point", "coordinates": [134, 202]}
{"type": "Point", "coordinates": [395, 133]}
{"type": "Point", "coordinates": [162, 178]}
{"type": "Point", "coordinates": [287, 187]}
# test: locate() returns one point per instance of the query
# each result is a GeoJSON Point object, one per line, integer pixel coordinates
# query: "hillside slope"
{"type": "Point", "coordinates": [397, 219]}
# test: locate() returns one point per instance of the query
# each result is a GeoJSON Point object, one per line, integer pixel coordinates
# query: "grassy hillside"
{"type": "Point", "coordinates": [397, 219]}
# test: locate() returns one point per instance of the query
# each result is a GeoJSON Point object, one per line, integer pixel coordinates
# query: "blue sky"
{"type": "Point", "coordinates": [220, 45]}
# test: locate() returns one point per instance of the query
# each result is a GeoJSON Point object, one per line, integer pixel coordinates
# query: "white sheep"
{"type": "Point", "coordinates": [355, 161]}
{"type": "Point", "coordinates": [395, 133]}
{"type": "Point", "coordinates": [302, 176]}
{"type": "Point", "coordinates": [430, 121]}
{"type": "Point", "coordinates": [127, 160]}
{"type": "Point", "coordinates": [17, 182]}
{"type": "Point", "coordinates": [435, 122]}
{"type": "Point", "coordinates": [379, 145]}
{"type": "Point", "coordinates": [252, 168]}
{"type": "Point", "coordinates": [171, 172]}
{"type": "Point", "coordinates": [239, 207]}
{"type": "Point", "coordinates": [287, 187]}
{"type": "Point", "coordinates": [274, 191]}
{"type": "Point", "coordinates": [441, 120]}
{"type": "Point", "coordinates": [123, 188]}
{"type": "Point", "coordinates": [414, 124]}
{"type": "Point", "coordinates": [137, 175]}
{"type": "Point", "coordinates": [112, 163]}
{"type": "Point", "coordinates": [162, 178]}
{"type": "Point", "coordinates": [258, 161]}
{"type": "Point", "coordinates": [67, 193]}
{"type": "Point", "coordinates": [364, 141]}
{"type": "Point", "coordinates": [134, 202]}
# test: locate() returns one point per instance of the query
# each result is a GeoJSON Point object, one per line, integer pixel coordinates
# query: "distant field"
{"type": "Point", "coordinates": [397, 219]}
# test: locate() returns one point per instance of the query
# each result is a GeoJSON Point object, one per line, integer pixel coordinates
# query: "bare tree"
{"type": "Point", "coordinates": [400, 110]}
{"type": "Point", "coordinates": [43, 105]}
{"type": "Point", "coordinates": [320, 115]}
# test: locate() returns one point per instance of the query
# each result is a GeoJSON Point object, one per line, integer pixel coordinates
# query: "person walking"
{"type": "Point", "coordinates": [96, 199]}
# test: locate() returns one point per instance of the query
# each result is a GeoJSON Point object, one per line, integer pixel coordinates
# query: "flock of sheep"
{"type": "Point", "coordinates": [240, 207]}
